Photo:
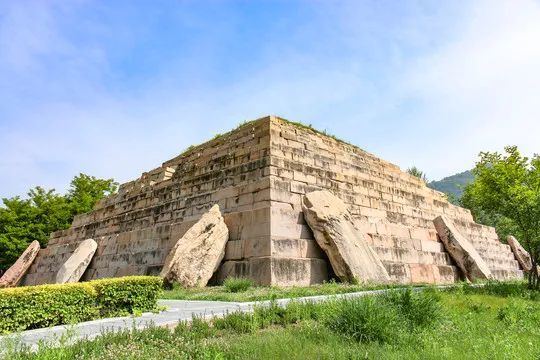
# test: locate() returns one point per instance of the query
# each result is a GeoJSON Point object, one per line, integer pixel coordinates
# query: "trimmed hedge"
{"type": "Point", "coordinates": [41, 306]}
{"type": "Point", "coordinates": [121, 296]}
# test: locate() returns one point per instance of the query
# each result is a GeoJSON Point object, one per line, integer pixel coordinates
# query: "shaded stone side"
{"type": "Point", "coordinates": [136, 228]}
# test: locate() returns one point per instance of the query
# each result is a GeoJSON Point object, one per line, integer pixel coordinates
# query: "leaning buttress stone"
{"type": "Point", "coordinates": [198, 254]}
{"type": "Point", "coordinates": [341, 239]}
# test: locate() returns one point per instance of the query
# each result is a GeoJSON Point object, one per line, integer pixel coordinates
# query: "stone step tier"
{"type": "Point", "coordinates": [498, 256]}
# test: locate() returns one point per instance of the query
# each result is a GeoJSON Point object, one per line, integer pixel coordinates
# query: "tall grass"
{"type": "Point", "coordinates": [236, 285]}
{"type": "Point", "coordinates": [455, 324]}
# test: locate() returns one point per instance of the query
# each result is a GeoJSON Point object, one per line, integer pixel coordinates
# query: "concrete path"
{"type": "Point", "coordinates": [177, 311]}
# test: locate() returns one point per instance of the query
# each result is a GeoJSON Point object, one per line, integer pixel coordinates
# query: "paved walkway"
{"type": "Point", "coordinates": [177, 310]}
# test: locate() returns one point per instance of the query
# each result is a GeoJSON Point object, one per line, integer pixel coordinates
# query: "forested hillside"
{"type": "Point", "coordinates": [453, 185]}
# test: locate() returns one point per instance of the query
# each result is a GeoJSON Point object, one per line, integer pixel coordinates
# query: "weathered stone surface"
{"type": "Point", "coordinates": [461, 250]}
{"type": "Point", "coordinates": [198, 254]}
{"type": "Point", "coordinates": [258, 174]}
{"type": "Point", "coordinates": [522, 256]}
{"type": "Point", "coordinates": [74, 267]}
{"type": "Point", "coordinates": [337, 234]}
{"type": "Point", "coordinates": [15, 273]}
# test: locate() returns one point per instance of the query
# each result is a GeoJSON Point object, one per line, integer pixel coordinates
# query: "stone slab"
{"type": "Point", "coordinates": [337, 234]}
{"type": "Point", "coordinates": [522, 256]}
{"type": "Point", "coordinates": [73, 269]}
{"type": "Point", "coordinates": [198, 254]}
{"type": "Point", "coordinates": [461, 250]}
{"type": "Point", "coordinates": [16, 272]}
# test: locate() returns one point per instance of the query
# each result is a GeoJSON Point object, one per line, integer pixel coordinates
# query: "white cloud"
{"type": "Point", "coordinates": [434, 106]}
{"type": "Point", "coordinates": [480, 91]}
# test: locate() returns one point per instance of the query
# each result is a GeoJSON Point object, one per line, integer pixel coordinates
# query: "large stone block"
{"type": "Point", "coordinates": [337, 234]}
{"type": "Point", "coordinates": [198, 254]}
{"type": "Point", "coordinates": [298, 272]}
{"type": "Point", "coordinates": [73, 269]}
{"type": "Point", "coordinates": [461, 250]}
{"type": "Point", "coordinates": [522, 256]}
{"type": "Point", "coordinates": [16, 272]}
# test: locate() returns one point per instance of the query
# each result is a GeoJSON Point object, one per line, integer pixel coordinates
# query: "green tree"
{"type": "Point", "coordinates": [43, 212]}
{"type": "Point", "coordinates": [414, 171]}
{"type": "Point", "coordinates": [86, 190]}
{"type": "Point", "coordinates": [506, 194]}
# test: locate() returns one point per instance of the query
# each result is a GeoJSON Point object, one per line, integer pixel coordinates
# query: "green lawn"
{"type": "Point", "coordinates": [258, 293]}
{"type": "Point", "coordinates": [500, 321]}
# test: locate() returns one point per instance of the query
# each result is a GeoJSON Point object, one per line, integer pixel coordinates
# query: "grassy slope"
{"type": "Point", "coordinates": [470, 330]}
{"type": "Point", "coordinates": [472, 325]}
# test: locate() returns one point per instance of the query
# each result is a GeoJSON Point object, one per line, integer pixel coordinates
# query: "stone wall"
{"type": "Point", "coordinates": [258, 174]}
{"type": "Point", "coordinates": [395, 209]}
{"type": "Point", "coordinates": [136, 228]}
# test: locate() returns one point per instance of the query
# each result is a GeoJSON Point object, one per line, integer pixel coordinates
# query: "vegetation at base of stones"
{"type": "Point", "coordinates": [506, 194]}
{"type": "Point", "coordinates": [33, 307]}
{"type": "Point", "coordinates": [500, 289]}
{"type": "Point", "coordinates": [236, 285]}
{"type": "Point", "coordinates": [462, 323]}
{"type": "Point", "coordinates": [257, 293]}
{"type": "Point", "coordinates": [414, 171]}
{"type": "Point", "coordinates": [453, 185]}
{"type": "Point", "coordinates": [45, 211]}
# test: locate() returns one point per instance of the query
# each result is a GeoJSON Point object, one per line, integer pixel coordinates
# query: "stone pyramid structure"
{"type": "Point", "coordinates": [257, 174]}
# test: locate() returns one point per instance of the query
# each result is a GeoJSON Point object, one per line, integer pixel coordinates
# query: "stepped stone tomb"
{"type": "Point", "coordinates": [300, 208]}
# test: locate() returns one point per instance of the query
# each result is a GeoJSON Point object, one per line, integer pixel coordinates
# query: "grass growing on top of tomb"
{"type": "Point", "coordinates": [258, 293]}
{"type": "Point", "coordinates": [500, 322]}
{"type": "Point", "coordinates": [294, 123]}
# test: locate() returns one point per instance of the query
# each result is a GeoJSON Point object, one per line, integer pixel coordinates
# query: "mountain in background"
{"type": "Point", "coordinates": [454, 184]}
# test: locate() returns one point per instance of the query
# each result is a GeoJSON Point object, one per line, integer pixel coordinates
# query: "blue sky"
{"type": "Point", "coordinates": [114, 88]}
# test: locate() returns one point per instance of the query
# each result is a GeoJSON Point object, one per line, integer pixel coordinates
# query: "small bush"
{"type": "Point", "coordinates": [364, 319]}
{"type": "Point", "coordinates": [236, 285]}
{"type": "Point", "coordinates": [200, 328]}
{"type": "Point", "coordinates": [127, 295]}
{"type": "Point", "coordinates": [239, 322]}
{"type": "Point", "coordinates": [41, 306]}
{"type": "Point", "coordinates": [35, 307]}
{"type": "Point", "coordinates": [299, 311]}
{"type": "Point", "coordinates": [266, 316]}
{"type": "Point", "coordinates": [418, 309]}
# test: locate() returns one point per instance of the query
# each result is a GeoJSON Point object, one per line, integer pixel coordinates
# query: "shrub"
{"type": "Point", "coordinates": [364, 319]}
{"type": "Point", "coordinates": [41, 306]}
{"type": "Point", "coordinates": [46, 305]}
{"type": "Point", "coordinates": [236, 285]}
{"type": "Point", "coordinates": [266, 316]}
{"type": "Point", "coordinates": [127, 295]}
{"type": "Point", "coordinates": [200, 328]}
{"type": "Point", "coordinates": [418, 309]}
{"type": "Point", "coordinates": [239, 322]}
{"type": "Point", "coordinates": [299, 311]}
